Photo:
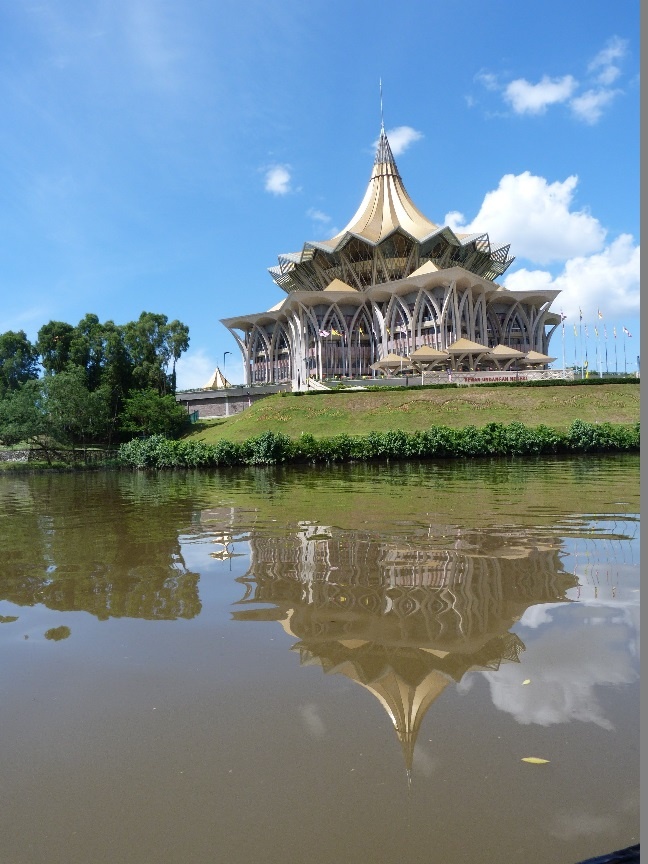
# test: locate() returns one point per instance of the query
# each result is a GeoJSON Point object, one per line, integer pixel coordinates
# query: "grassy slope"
{"type": "Point", "coordinates": [358, 413]}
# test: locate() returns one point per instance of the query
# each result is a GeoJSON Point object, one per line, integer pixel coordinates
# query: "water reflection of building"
{"type": "Point", "coordinates": [402, 617]}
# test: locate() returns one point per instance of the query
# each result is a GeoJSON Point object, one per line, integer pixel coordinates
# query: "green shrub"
{"type": "Point", "coordinates": [267, 449]}
{"type": "Point", "coordinates": [438, 442]}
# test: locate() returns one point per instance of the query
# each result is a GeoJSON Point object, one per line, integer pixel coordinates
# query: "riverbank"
{"type": "Point", "coordinates": [436, 442]}
{"type": "Point", "coordinates": [324, 414]}
{"type": "Point", "coordinates": [367, 425]}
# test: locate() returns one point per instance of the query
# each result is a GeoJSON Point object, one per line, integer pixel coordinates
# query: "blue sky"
{"type": "Point", "coordinates": [159, 155]}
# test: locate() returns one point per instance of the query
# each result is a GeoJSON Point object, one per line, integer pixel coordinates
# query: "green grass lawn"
{"type": "Point", "coordinates": [358, 413]}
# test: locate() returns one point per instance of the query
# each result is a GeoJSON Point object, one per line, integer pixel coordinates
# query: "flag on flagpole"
{"type": "Point", "coordinates": [562, 315]}
{"type": "Point", "coordinates": [580, 314]}
{"type": "Point", "coordinates": [600, 315]}
{"type": "Point", "coordinates": [627, 332]}
{"type": "Point", "coordinates": [575, 333]}
{"type": "Point", "coordinates": [614, 331]}
{"type": "Point", "coordinates": [324, 333]}
{"type": "Point", "coordinates": [596, 331]}
{"type": "Point", "coordinates": [334, 332]}
{"type": "Point", "coordinates": [586, 333]}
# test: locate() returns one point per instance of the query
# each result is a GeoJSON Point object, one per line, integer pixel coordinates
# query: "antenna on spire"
{"type": "Point", "coordinates": [382, 118]}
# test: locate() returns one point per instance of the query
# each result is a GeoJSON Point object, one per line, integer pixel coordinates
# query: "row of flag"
{"type": "Point", "coordinates": [596, 332]}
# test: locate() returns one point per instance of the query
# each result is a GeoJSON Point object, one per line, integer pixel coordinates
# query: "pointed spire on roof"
{"type": "Point", "coordinates": [384, 163]}
{"type": "Point", "coordinates": [386, 206]}
{"type": "Point", "coordinates": [384, 155]}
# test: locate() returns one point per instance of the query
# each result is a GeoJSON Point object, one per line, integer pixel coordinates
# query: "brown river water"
{"type": "Point", "coordinates": [315, 665]}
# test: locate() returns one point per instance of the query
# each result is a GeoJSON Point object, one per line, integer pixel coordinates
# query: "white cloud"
{"type": "Point", "coordinates": [589, 105]}
{"type": "Point", "coordinates": [318, 216]}
{"type": "Point", "coordinates": [535, 217]}
{"type": "Point", "coordinates": [401, 138]}
{"type": "Point", "coordinates": [527, 98]}
{"type": "Point", "coordinates": [565, 669]}
{"type": "Point", "coordinates": [312, 720]}
{"type": "Point", "coordinates": [277, 180]}
{"type": "Point", "coordinates": [607, 280]}
{"type": "Point", "coordinates": [488, 79]}
{"type": "Point", "coordinates": [604, 63]}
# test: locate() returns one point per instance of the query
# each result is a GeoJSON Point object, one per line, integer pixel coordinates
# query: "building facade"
{"type": "Point", "coordinates": [390, 282]}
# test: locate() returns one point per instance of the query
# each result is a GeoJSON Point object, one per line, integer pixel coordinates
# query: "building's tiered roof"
{"type": "Point", "coordinates": [387, 239]}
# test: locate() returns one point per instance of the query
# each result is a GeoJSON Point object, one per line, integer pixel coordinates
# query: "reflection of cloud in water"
{"type": "Point", "coordinates": [565, 666]}
{"type": "Point", "coordinates": [571, 826]}
{"type": "Point", "coordinates": [535, 616]}
{"type": "Point", "coordinates": [424, 763]}
{"type": "Point", "coordinates": [578, 822]}
{"type": "Point", "coordinates": [312, 720]}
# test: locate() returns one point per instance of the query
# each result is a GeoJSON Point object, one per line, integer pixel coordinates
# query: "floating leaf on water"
{"type": "Point", "coordinates": [526, 681]}
{"type": "Point", "coordinates": [534, 760]}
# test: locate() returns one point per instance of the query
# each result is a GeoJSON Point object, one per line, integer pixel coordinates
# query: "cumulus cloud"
{"type": "Point", "coordinates": [535, 216]}
{"type": "Point", "coordinates": [277, 180]}
{"type": "Point", "coordinates": [401, 138]}
{"type": "Point", "coordinates": [527, 98]}
{"type": "Point", "coordinates": [589, 105]}
{"type": "Point", "coordinates": [586, 105]}
{"type": "Point", "coordinates": [606, 280]}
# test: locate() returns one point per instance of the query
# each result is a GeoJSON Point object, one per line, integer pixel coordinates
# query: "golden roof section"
{"type": "Point", "coordinates": [339, 285]}
{"type": "Point", "coordinates": [386, 205]}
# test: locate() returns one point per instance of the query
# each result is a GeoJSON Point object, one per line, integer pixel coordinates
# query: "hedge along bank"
{"type": "Point", "coordinates": [494, 439]}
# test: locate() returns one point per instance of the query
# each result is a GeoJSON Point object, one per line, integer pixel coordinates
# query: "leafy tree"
{"type": "Point", "coordinates": [23, 419]}
{"type": "Point", "coordinates": [153, 344]}
{"type": "Point", "coordinates": [54, 344]}
{"type": "Point", "coordinates": [18, 360]}
{"type": "Point", "coordinates": [148, 413]}
{"type": "Point", "coordinates": [77, 414]}
{"type": "Point", "coordinates": [87, 349]}
{"type": "Point", "coordinates": [53, 412]}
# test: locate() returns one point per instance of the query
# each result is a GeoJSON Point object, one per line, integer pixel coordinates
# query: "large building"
{"type": "Point", "coordinates": [389, 283]}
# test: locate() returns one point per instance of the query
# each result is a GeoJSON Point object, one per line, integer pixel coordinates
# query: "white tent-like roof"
{"type": "Point", "coordinates": [217, 381]}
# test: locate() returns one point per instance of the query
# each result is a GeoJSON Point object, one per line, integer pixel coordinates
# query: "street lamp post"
{"type": "Point", "coordinates": [224, 356]}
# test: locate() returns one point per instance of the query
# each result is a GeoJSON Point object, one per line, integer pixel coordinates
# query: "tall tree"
{"type": "Point", "coordinates": [54, 344]}
{"type": "Point", "coordinates": [18, 360]}
{"type": "Point", "coordinates": [87, 349]}
{"type": "Point", "coordinates": [153, 344]}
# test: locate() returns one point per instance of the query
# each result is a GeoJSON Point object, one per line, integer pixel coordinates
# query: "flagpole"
{"type": "Point", "coordinates": [563, 342]}
{"type": "Point", "coordinates": [599, 355]}
{"type": "Point", "coordinates": [598, 361]}
{"type": "Point", "coordinates": [580, 337]}
{"type": "Point", "coordinates": [606, 354]}
{"type": "Point", "coordinates": [616, 360]}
